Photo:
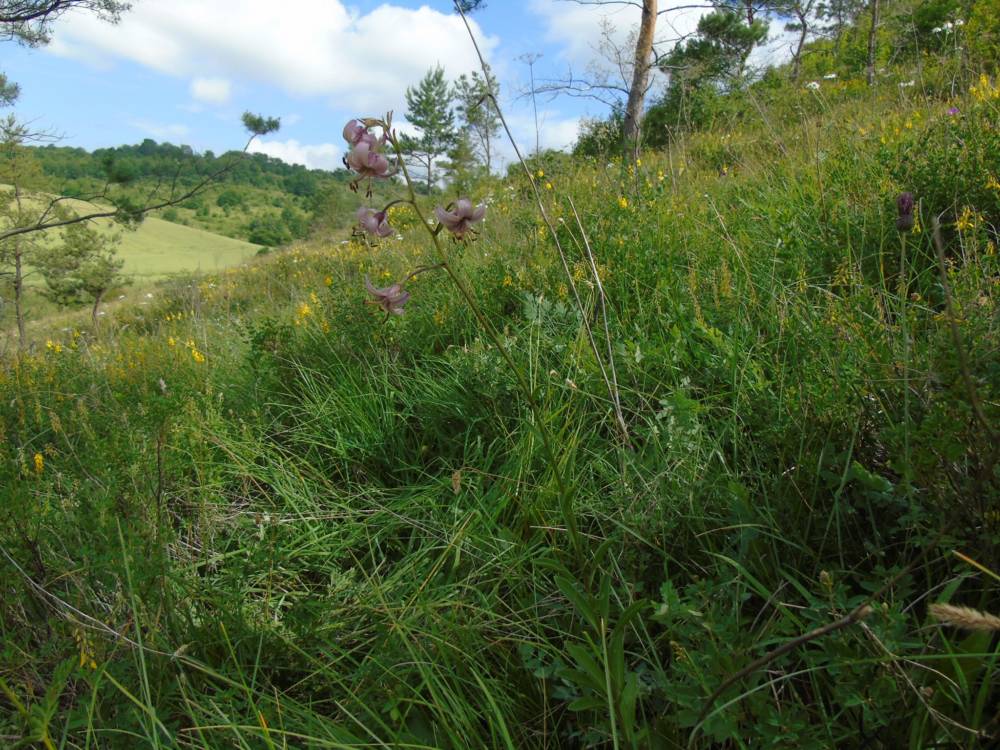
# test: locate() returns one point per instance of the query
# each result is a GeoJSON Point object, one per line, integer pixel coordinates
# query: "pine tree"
{"type": "Point", "coordinates": [474, 95]}
{"type": "Point", "coordinates": [461, 169]}
{"type": "Point", "coordinates": [83, 268]}
{"type": "Point", "coordinates": [429, 108]}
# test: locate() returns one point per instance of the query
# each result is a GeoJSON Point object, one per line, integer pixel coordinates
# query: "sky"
{"type": "Point", "coordinates": [184, 71]}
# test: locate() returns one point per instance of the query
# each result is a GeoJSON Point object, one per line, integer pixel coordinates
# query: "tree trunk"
{"type": "Point", "coordinates": [22, 336]}
{"type": "Point", "coordinates": [93, 310]}
{"type": "Point", "coordinates": [797, 58]}
{"type": "Point", "coordinates": [635, 108]}
{"type": "Point", "coordinates": [872, 38]}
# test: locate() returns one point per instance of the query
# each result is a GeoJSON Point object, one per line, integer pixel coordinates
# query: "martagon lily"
{"type": "Point", "coordinates": [366, 160]}
{"type": "Point", "coordinates": [374, 222]}
{"type": "Point", "coordinates": [390, 298]}
{"type": "Point", "coordinates": [460, 219]}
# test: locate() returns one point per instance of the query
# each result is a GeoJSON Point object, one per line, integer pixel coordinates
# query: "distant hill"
{"type": "Point", "coordinates": [152, 160]}
{"type": "Point", "coordinates": [159, 248]}
{"type": "Point", "coordinates": [261, 199]}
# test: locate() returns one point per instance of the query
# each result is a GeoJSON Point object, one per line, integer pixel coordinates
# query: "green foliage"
{"type": "Point", "coordinates": [260, 125]}
{"type": "Point", "coordinates": [475, 96]}
{"type": "Point", "coordinates": [429, 109]}
{"type": "Point", "coordinates": [983, 35]}
{"type": "Point", "coordinates": [9, 91]}
{"type": "Point", "coordinates": [263, 514]}
{"type": "Point", "coordinates": [718, 52]}
{"type": "Point", "coordinates": [599, 137]}
{"type": "Point", "coordinates": [229, 198]}
{"type": "Point", "coordinates": [268, 230]}
{"type": "Point", "coordinates": [82, 268]}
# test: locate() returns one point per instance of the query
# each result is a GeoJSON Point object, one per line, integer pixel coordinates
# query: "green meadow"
{"type": "Point", "coordinates": [693, 451]}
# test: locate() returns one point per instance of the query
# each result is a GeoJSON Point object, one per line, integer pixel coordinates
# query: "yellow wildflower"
{"type": "Point", "coordinates": [623, 202]}
{"type": "Point", "coordinates": [507, 280]}
{"type": "Point", "coordinates": [992, 183]}
{"type": "Point", "coordinates": [171, 341]}
{"type": "Point", "coordinates": [197, 356]}
{"type": "Point", "coordinates": [328, 281]}
{"type": "Point", "coordinates": [39, 463]}
{"type": "Point", "coordinates": [304, 310]}
{"type": "Point", "coordinates": [548, 185]}
{"type": "Point", "coordinates": [541, 173]}
{"type": "Point", "coordinates": [966, 220]}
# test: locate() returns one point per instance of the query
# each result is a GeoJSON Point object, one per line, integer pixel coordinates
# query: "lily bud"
{"type": "Point", "coordinates": [904, 208]}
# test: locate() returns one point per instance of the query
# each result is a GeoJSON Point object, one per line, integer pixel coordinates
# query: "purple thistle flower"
{"type": "Point", "coordinates": [904, 209]}
{"type": "Point", "coordinates": [390, 298]}
{"type": "Point", "coordinates": [374, 222]}
{"type": "Point", "coordinates": [953, 112]}
{"type": "Point", "coordinates": [460, 219]}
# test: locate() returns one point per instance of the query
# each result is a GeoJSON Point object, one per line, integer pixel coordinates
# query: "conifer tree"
{"type": "Point", "coordinates": [474, 95]}
{"type": "Point", "coordinates": [429, 108]}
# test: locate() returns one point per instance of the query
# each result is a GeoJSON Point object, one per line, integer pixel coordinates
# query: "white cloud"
{"type": "Point", "coordinates": [306, 48]}
{"type": "Point", "coordinates": [211, 90]}
{"type": "Point", "coordinates": [314, 156]}
{"type": "Point", "coordinates": [160, 131]}
{"type": "Point", "coordinates": [555, 131]}
{"type": "Point", "coordinates": [778, 47]}
{"type": "Point", "coordinates": [578, 30]}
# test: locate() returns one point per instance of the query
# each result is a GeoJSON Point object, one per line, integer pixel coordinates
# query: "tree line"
{"type": "Point", "coordinates": [458, 126]}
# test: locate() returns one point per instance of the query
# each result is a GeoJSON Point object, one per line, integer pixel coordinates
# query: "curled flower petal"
{"type": "Point", "coordinates": [391, 298]}
{"type": "Point", "coordinates": [354, 131]}
{"type": "Point", "coordinates": [366, 160]}
{"type": "Point", "coordinates": [374, 222]}
{"type": "Point", "coordinates": [460, 219]}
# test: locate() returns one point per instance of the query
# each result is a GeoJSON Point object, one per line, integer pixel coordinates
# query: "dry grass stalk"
{"type": "Point", "coordinates": [964, 617]}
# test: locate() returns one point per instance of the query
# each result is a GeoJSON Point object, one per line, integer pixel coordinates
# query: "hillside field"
{"type": "Point", "coordinates": [693, 451]}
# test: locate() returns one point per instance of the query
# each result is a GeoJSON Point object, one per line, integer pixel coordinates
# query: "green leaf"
{"type": "Point", "coordinates": [580, 601]}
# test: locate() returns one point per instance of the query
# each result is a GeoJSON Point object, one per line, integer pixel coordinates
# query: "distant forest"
{"type": "Point", "coordinates": [77, 170]}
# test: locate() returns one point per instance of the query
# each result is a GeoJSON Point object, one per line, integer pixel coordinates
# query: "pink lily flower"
{"type": "Point", "coordinates": [390, 298]}
{"type": "Point", "coordinates": [365, 159]}
{"type": "Point", "coordinates": [374, 222]}
{"type": "Point", "coordinates": [354, 131]}
{"type": "Point", "coordinates": [459, 220]}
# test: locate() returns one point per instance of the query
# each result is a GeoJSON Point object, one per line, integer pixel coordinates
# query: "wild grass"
{"type": "Point", "coordinates": [267, 517]}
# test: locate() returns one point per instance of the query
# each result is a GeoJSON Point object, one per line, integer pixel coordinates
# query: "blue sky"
{"type": "Point", "coordinates": [184, 70]}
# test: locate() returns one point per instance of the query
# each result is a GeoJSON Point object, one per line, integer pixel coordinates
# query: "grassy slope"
{"type": "Point", "coordinates": [160, 248]}
{"type": "Point", "coordinates": [331, 530]}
